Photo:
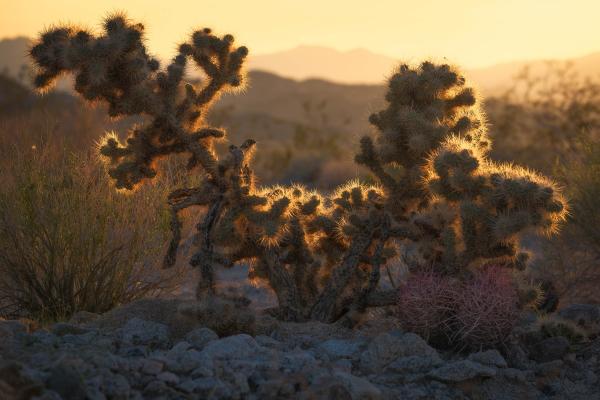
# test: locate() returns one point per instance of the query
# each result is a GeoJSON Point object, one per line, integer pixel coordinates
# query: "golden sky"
{"type": "Point", "coordinates": [473, 33]}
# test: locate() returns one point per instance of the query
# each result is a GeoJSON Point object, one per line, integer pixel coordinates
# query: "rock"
{"type": "Point", "coordinates": [9, 329]}
{"type": "Point", "coordinates": [151, 367]}
{"type": "Point", "coordinates": [414, 364]}
{"type": "Point", "coordinates": [501, 388]}
{"type": "Point", "coordinates": [133, 351]}
{"type": "Point", "coordinates": [205, 387]}
{"type": "Point", "coordinates": [340, 348]}
{"type": "Point", "coordinates": [65, 380]}
{"type": "Point", "coordinates": [14, 382]}
{"type": "Point", "coordinates": [168, 377]}
{"type": "Point", "coordinates": [517, 357]}
{"type": "Point", "coordinates": [433, 390]}
{"type": "Point", "coordinates": [387, 347]}
{"type": "Point", "coordinates": [178, 349]}
{"type": "Point", "coordinates": [268, 341]}
{"type": "Point", "coordinates": [200, 337]}
{"type": "Point", "coordinates": [492, 358]}
{"type": "Point", "coordinates": [237, 346]}
{"type": "Point", "coordinates": [463, 370]}
{"type": "Point", "coordinates": [585, 315]}
{"type": "Point", "coordinates": [550, 369]}
{"type": "Point", "coordinates": [138, 331]}
{"type": "Point", "coordinates": [115, 386]}
{"type": "Point", "coordinates": [187, 362]}
{"type": "Point", "coordinates": [343, 364]}
{"type": "Point", "coordinates": [359, 388]}
{"type": "Point", "coordinates": [553, 348]}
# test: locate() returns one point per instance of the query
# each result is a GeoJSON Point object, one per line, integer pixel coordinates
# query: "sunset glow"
{"type": "Point", "coordinates": [473, 33]}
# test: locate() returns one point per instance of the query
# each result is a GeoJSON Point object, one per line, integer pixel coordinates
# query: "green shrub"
{"type": "Point", "coordinates": [69, 242]}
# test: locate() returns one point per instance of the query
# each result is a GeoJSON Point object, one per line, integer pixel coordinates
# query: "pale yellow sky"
{"type": "Point", "coordinates": [473, 33]}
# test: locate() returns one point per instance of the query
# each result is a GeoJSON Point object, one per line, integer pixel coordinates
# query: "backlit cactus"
{"type": "Point", "coordinates": [321, 254]}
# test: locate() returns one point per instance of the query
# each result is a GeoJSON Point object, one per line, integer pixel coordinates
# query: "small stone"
{"type": "Point", "coordinates": [16, 383]}
{"type": "Point", "coordinates": [268, 341]}
{"type": "Point", "coordinates": [240, 382]}
{"type": "Point", "coordinates": [514, 374]}
{"type": "Point", "coordinates": [237, 346]}
{"type": "Point", "coordinates": [490, 357]}
{"type": "Point", "coordinates": [343, 364]}
{"type": "Point", "coordinates": [340, 348]}
{"type": "Point", "coordinates": [202, 372]}
{"type": "Point", "coordinates": [66, 381]}
{"type": "Point", "coordinates": [463, 370]}
{"type": "Point", "coordinates": [200, 337]}
{"type": "Point", "coordinates": [186, 362]}
{"type": "Point", "coordinates": [414, 364]}
{"type": "Point", "coordinates": [151, 367]}
{"type": "Point", "coordinates": [550, 369]}
{"type": "Point", "coordinates": [337, 386]}
{"type": "Point", "coordinates": [168, 377]}
{"type": "Point", "coordinates": [115, 386]}
{"type": "Point", "coordinates": [133, 351]}
{"type": "Point", "coordinates": [178, 350]}
{"type": "Point", "coordinates": [155, 388]}
{"type": "Point", "coordinates": [139, 331]}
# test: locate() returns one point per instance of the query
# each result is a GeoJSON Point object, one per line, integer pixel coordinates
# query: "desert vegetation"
{"type": "Point", "coordinates": [408, 254]}
{"type": "Point", "coordinates": [321, 253]}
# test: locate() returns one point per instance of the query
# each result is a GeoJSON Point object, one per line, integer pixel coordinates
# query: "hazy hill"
{"type": "Point", "coordinates": [13, 53]}
{"type": "Point", "coordinates": [355, 67]}
{"type": "Point", "coordinates": [304, 62]}
{"type": "Point", "coordinates": [363, 66]}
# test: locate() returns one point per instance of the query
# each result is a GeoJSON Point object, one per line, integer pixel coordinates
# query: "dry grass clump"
{"type": "Point", "coordinates": [68, 241]}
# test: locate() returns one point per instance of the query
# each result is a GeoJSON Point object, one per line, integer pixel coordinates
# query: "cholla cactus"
{"type": "Point", "coordinates": [321, 254]}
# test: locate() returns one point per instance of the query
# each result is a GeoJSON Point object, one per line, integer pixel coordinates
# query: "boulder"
{"type": "Point", "coordinates": [491, 358]}
{"type": "Point", "coordinates": [388, 347]}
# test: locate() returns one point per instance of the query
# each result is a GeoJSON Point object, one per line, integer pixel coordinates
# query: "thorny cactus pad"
{"type": "Point", "coordinates": [321, 254]}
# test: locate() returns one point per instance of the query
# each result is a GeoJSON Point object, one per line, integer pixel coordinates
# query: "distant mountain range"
{"type": "Point", "coordinates": [363, 66]}
{"type": "Point", "coordinates": [358, 66]}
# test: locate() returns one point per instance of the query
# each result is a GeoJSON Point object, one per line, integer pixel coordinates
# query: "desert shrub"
{"type": "Point", "coordinates": [550, 119]}
{"type": "Point", "coordinates": [572, 260]}
{"type": "Point", "coordinates": [434, 183]}
{"type": "Point", "coordinates": [69, 242]}
{"type": "Point", "coordinates": [486, 309]}
{"type": "Point", "coordinates": [545, 116]}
